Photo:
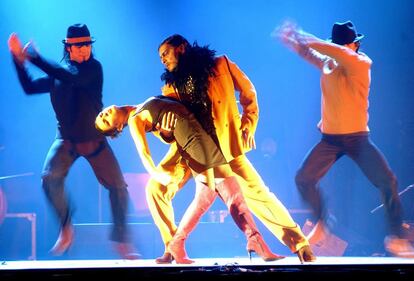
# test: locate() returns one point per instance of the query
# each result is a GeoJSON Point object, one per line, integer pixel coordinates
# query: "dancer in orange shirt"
{"type": "Point", "coordinates": [345, 84]}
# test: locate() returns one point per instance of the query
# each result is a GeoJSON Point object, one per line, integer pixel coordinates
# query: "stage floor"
{"type": "Point", "coordinates": [217, 268]}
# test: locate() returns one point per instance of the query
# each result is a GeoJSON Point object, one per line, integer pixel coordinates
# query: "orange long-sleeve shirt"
{"type": "Point", "coordinates": [345, 83]}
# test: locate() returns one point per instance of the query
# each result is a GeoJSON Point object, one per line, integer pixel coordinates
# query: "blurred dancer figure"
{"type": "Point", "coordinates": [345, 84]}
{"type": "Point", "coordinates": [76, 95]}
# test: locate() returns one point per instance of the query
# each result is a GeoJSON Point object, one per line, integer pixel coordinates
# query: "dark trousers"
{"type": "Point", "coordinates": [370, 160]}
{"type": "Point", "coordinates": [61, 156]}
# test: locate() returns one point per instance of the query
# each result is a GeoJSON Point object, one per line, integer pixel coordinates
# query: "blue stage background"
{"type": "Point", "coordinates": [127, 36]}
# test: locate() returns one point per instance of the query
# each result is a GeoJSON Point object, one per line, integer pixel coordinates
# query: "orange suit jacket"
{"type": "Point", "coordinates": [227, 79]}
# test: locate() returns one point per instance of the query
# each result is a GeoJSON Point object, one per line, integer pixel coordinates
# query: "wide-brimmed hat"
{"type": "Point", "coordinates": [78, 34]}
{"type": "Point", "coordinates": [344, 33]}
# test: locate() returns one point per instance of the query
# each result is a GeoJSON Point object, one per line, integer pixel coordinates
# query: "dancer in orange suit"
{"type": "Point", "coordinates": [206, 85]}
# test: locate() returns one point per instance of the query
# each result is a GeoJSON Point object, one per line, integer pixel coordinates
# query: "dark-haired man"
{"type": "Point", "coordinates": [76, 95]}
{"type": "Point", "coordinates": [206, 84]}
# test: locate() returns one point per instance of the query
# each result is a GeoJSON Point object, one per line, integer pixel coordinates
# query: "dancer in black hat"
{"type": "Point", "coordinates": [76, 95]}
{"type": "Point", "coordinates": [345, 84]}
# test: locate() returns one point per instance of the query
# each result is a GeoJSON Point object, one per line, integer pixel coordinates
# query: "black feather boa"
{"type": "Point", "coordinates": [191, 79]}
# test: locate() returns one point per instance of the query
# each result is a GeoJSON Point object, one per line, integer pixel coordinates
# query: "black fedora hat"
{"type": "Point", "coordinates": [344, 33]}
{"type": "Point", "coordinates": [78, 34]}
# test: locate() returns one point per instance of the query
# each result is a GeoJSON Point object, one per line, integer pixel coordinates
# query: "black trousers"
{"type": "Point", "coordinates": [60, 158]}
{"type": "Point", "coordinates": [370, 160]}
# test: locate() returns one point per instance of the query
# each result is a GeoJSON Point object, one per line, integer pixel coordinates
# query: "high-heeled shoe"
{"type": "Point", "coordinates": [305, 254]}
{"type": "Point", "coordinates": [166, 258]}
{"type": "Point", "coordinates": [258, 245]}
{"type": "Point", "coordinates": [177, 250]}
